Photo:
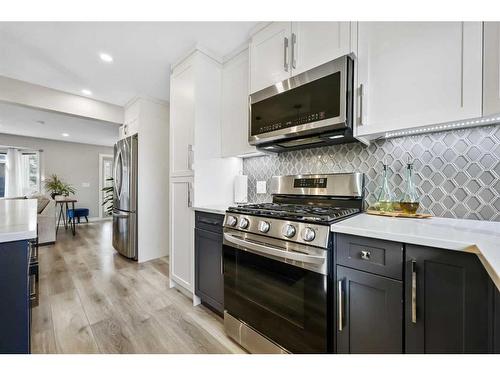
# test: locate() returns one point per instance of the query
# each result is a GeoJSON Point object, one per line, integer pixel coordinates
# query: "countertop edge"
{"type": "Point", "coordinates": [212, 210]}
{"type": "Point", "coordinates": [17, 236]}
{"type": "Point", "coordinates": [474, 248]}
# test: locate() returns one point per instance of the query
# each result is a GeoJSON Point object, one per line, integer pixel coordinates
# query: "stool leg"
{"type": "Point", "coordinates": [86, 218]}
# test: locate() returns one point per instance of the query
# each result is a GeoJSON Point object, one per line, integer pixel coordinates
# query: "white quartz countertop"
{"type": "Point", "coordinates": [474, 236]}
{"type": "Point", "coordinates": [215, 209]}
{"type": "Point", "coordinates": [17, 219]}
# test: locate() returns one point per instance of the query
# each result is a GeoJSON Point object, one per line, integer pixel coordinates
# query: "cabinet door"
{"type": "Point", "coordinates": [209, 273]}
{"type": "Point", "coordinates": [181, 233]}
{"type": "Point", "coordinates": [491, 77]}
{"type": "Point", "coordinates": [496, 320]}
{"type": "Point", "coordinates": [270, 56]}
{"type": "Point", "coordinates": [448, 304]}
{"type": "Point", "coordinates": [369, 313]}
{"type": "Point", "coordinates": [418, 73]}
{"type": "Point", "coordinates": [182, 119]}
{"type": "Point", "coordinates": [234, 124]}
{"type": "Point", "coordinates": [315, 43]}
{"type": "Point", "coordinates": [14, 310]}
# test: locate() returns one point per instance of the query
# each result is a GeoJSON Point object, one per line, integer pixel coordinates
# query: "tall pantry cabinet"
{"type": "Point", "coordinates": [198, 174]}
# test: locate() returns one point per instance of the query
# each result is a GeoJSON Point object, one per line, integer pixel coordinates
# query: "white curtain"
{"type": "Point", "coordinates": [13, 174]}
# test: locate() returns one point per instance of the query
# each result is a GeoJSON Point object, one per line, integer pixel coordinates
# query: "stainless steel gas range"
{"type": "Point", "coordinates": [278, 263]}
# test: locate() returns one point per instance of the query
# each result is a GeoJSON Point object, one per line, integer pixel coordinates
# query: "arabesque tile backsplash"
{"type": "Point", "coordinates": [457, 172]}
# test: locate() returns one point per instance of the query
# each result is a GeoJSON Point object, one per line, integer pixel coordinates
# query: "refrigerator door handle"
{"type": "Point", "coordinates": [120, 216]}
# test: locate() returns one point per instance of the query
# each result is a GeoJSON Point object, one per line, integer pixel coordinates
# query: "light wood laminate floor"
{"type": "Point", "coordinates": [93, 300]}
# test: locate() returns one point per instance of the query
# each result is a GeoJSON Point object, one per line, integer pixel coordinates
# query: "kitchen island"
{"type": "Point", "coordinates": [18, 224]}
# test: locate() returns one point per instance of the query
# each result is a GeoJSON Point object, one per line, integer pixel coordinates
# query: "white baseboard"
{"type": "Point", "coordinates": [91, 219]}
{"type": "Point", "coordinates": [97, 218]}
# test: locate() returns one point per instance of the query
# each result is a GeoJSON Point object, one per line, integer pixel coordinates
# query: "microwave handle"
{"type": "Point", "coordinates": [285, 54]}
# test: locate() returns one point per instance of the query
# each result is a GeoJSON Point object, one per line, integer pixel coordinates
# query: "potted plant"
{"type": "Point", "coordinates": [56, 186]}
{"type": "Point", "coordinates": [107, 202]}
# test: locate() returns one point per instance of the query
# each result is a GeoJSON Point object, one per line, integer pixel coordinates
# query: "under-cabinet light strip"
{"type": "Point", "coordinates": [451, 125]}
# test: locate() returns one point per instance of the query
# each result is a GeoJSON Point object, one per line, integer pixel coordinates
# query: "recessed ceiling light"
{"type": "Point", "coordinates": [65, 134]}
{"type": "Point", "coordinates": [86, 92]}
{"type": "Point", "coordinates": [106, 57]}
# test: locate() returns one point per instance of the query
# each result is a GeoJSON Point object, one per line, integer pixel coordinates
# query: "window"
{"type": "Point", "coordinates": [30, 173]}
{"type": "Point", "coordinates": [2, 175]}
{"type": "Point", "coordinates": [19, 173]}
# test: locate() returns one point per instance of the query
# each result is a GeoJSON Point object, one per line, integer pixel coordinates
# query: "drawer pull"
{"type": "Point", "coordinates": [340, 301]}
{"type": "Point", "coordinates": [365, 254]}
{"type": "Point", "coordinates": [413, 291]}
{"type": "Point", "coordinates": [209, 222]}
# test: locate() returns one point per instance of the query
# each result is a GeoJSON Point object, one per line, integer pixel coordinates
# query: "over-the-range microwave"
{"type": "Point", "coordinates": [311, 109]}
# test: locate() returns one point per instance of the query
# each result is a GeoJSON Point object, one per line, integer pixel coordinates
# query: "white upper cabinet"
{"type": "Point", "coordinates": [195, 87]}
{"type": "Point", "coordinates": [491, 78]}
{"type": "Point", "coordinates": [234, 121]}
{"type": "Point", "coordinates": [284, 49]}
{"type": "Point", "coordinates": [182, 119]}
{"type": "Point", "coordinates": [413, 74]}
{"type": "Point", "coordinates": [315, 43]}
{"type": "Point", "coordinates": [270, 55]}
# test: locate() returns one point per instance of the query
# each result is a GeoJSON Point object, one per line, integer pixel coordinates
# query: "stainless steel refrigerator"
{"type": "Point", "coordinates": [125, 197]}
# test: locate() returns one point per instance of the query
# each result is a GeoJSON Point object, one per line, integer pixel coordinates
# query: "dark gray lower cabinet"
{"type": "Point", "coordinates": [496, 319]}
{"type": "Point", "coordinates": [14, 298]}
{"type": "Point", "coordinates": [209, 278]}
{"type": "Point", "coordinates": [369, 313]}
{"type": "Point", "coordinates": [448, 305]}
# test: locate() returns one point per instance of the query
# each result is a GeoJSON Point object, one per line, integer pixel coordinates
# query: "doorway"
{"type": "Point", "coordinates": [105, 173]}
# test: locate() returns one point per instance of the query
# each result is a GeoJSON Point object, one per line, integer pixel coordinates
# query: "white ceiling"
{"type": "Point", "coordinates": [64, 55]}
{"type": "Point", "coordinates": [20, 120]}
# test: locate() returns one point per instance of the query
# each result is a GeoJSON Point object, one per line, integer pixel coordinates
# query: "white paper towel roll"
{"type": "Point", "coordinates": [241, 189]}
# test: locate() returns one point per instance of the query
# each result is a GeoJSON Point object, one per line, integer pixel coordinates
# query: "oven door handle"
{"type": "Point", "coordinates": [254, 247]}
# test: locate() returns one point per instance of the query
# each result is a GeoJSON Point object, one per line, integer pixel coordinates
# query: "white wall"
{"type": "Point", "coordinates": [153, 180]}
{"type": "Point", "coordinates": [74, 163]}
{"type": "Point", "coordinates": [28, 94]}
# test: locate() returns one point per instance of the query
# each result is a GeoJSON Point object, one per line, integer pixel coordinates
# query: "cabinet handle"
{"type": "Point", "coordinates": [294, 41]}
{"type": "Point", "coordinates": [413, 291]}
{"type": "Point", "coordinates": [209, 222]}
{"type": "Point", "coordinates": [340, 305]}
{"type": "Point", "coordinates": [190, 201]}
{"type": "Point", "coordinates": [361, 97]}
{"type": "Point", "coordinates": [365, 254]}
{"type": "Point", "coordinates": [222, 264]}
{"type": "Point", "coordinates": [190, 157]}
{"type": "Point", "coordinates": [285, 54]}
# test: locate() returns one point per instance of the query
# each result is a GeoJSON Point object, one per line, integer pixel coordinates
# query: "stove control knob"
{"type": "Point", "coordinates": [288, 231]}
{"type": "Point", "coordinates": [264, 226]}
{"type": "Point", "coordinates": [244, 223]}
{"type": "Point", "coordinates": [308, 234]}
{"type": "Point", "coordinates": [231, 221]}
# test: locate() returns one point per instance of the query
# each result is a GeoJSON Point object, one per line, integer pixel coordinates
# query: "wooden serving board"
{"type": "Point", "coordinates": [398, 214]}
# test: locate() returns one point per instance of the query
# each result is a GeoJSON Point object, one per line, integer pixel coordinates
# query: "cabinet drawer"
{"type": "Point", "coordinates": [208, 221]}
{"type": "Point", "coordinates": [368, 254]}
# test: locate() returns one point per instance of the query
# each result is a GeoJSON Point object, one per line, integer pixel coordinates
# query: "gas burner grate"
{"type": "Point", "coordinates": [309, 213]}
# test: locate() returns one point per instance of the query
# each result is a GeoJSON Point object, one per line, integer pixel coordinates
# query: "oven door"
{"type": "Point", "coordinates": [278, 288]}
